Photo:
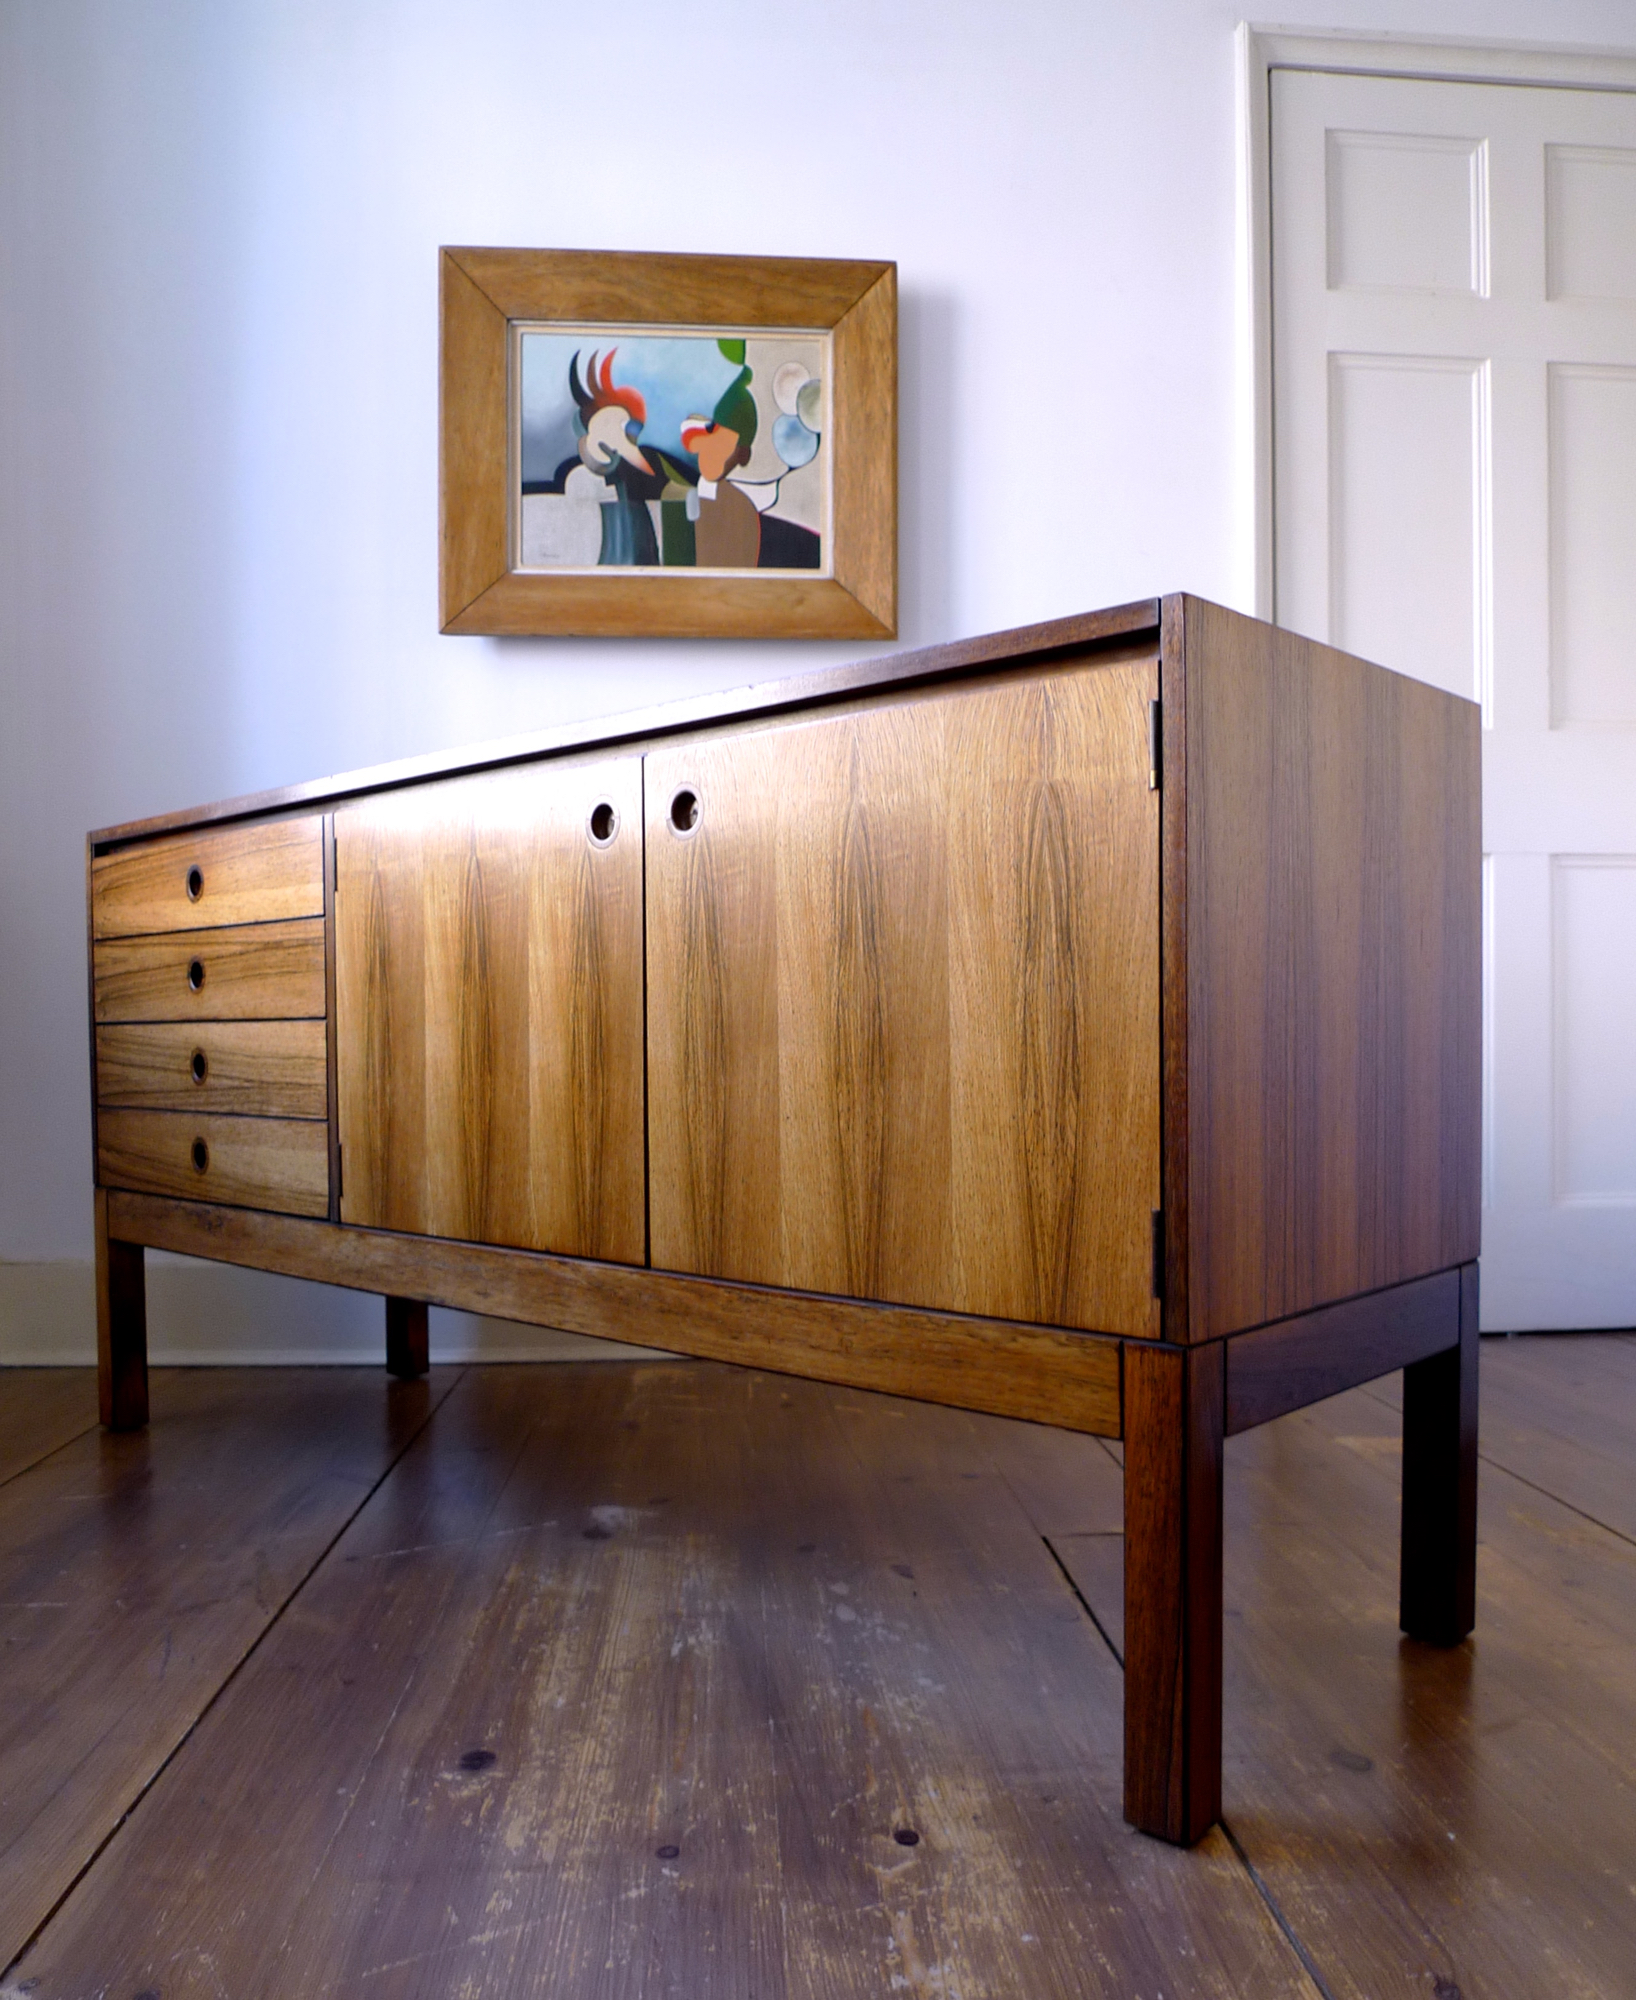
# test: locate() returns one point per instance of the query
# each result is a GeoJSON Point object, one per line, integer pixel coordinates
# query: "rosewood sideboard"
{"type": "Point", "coordinates": [1080, 1024]}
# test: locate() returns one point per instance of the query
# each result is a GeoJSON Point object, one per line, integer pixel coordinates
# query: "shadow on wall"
{"type": "Point", "coordinates": [215, 1315]}
{"type": "Point", "coordinates": [927, 445]}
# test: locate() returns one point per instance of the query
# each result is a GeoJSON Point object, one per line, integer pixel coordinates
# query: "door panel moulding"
{"type": "Point", "coordinates": [1423, 58]}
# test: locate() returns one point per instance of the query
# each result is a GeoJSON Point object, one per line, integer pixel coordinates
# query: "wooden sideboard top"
{"type": "Point", "coordinates": [1025, 644]}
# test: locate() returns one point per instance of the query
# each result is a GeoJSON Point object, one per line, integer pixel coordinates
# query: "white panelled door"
{"type": "Point", "coordinates": [1454, 408]}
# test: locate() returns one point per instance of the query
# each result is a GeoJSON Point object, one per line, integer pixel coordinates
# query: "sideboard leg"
{"type": "Point", "coordinates": [1438, 1578]}
{"type": "Point", "coordinates": [407, 1342]}
{"type": "Point", "coordinates": [1174, 1411]}
{"type": "Point", "coordinates": [122, 1328]}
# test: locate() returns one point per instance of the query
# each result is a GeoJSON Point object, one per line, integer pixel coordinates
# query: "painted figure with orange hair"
{"type": "Point", "coordinates": [608, 423]}
{"type": "Point", "coordinates": [727, 530]}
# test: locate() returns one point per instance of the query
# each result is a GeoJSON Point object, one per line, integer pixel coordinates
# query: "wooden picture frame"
{"type": "Point", "coordinates": [486, 293]}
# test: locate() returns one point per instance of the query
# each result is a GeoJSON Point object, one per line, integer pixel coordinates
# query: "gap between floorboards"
{"type": "Point", "coordinates": [455, 1375]}
{"type": "Point", "coordinates": [1261, 1888]}
{"type": "Point", "coordinates": [1521, 1478]}
{"type": "Point", "coordinates": [45, 1457]}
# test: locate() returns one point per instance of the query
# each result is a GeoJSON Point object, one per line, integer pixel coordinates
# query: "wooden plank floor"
{"type": "Point", "coordinates": [644, 1679]}
{"type": "Point", "coordinates": [138, 1572]}
{"type": "Point", "coordinates": [41, 1409]}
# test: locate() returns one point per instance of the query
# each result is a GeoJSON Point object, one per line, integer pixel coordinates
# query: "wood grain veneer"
{"type": "Point", "coordinates": [262, 1163]}
{"type": "Point", "coordinates": [903, 1003]}
{"type": "Point", "coordinates": [197, 880]}
{"type": "Point", "coordinates": [1333, 974]}
{"type": "Point", "coordinates": [250, 972]}
{"type": "Point", "coordinates": [268, 1069]}
{"type": "Point", "coordinates": [489, 1010]}
{"type": "Point", "coordinates": [1068, 1379]}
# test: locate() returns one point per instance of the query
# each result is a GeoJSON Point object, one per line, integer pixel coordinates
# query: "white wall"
{"type": "Point", "coordinates": [218, 345]}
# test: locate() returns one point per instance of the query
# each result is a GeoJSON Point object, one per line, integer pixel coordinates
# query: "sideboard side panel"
{"type": "Point", "coordinates": [1334, 974]}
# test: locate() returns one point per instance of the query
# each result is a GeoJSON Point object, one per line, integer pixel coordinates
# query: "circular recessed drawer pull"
{"type": "Point", "coordinates": [603, 823]}
{"type": "Point", "coordinates": [201, 1155]}
{"type": "Point", "coordinates": [200, 1065]}
{"type": "Point", "coordinates": [685, 809]}
{"type": "Point", "coordinates": [195, 883]}
{"type": "Point", "coordinates": [195, 973]}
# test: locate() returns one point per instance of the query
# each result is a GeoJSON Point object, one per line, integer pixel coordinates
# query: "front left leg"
{"type": "Point", "coordinates": [1174, 1418]}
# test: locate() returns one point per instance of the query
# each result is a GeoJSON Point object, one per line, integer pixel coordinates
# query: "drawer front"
{"type": "Point", "coordinates": [199, 881]}
{"type": "Point", "coordinates": [268, 1069]}
{"type": "Point", "coordinates": [274, 1163]}
{"type": "Point", "coordinates": [257, 972]}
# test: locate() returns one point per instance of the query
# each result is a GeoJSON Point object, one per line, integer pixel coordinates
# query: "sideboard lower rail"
{"type": "Point", "coordinates": [1068, 1379]}
{"type": "Point", "coordinates": [1293, 1362]}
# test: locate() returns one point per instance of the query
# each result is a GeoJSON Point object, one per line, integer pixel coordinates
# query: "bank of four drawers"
{"type": "Point", "coordinates": [209, 1000]}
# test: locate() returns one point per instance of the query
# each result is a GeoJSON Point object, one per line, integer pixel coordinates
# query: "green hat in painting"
{"type": "Point", "coordinates": [737, 408]}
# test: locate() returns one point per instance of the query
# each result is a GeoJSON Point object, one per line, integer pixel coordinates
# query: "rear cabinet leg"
{"type": "Point", "coordinates": [407, 1339]}
{"type": "Point", "coordinates": [122, 1328]}
{"type": "Point", "coordinates": [1438, 1582]}
{"type": "Point", "coordinates": [1174, 1408]}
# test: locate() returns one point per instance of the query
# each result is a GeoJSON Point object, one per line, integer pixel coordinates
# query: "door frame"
{"type": "Point", "coordinates": [1434, 59]}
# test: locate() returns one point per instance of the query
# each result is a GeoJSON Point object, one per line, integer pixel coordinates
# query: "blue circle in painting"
{"type": "Point", "coordinates": [793, 442]}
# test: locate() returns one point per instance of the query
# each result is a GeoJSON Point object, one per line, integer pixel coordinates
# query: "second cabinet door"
{"type": "Point", "coordinates": [903, 977]}
{"type": "Point", "coordinates": [489, 1009]}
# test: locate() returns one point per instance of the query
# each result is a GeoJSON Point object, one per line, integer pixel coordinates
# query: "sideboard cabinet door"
{"type": "Point", "coordinates": [489, 1009]}
{"type": "Point", "coordinates": [903, 1001]}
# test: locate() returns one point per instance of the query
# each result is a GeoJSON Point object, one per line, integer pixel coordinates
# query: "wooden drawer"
{"type": "Point", "coordinates": [273, 1163]}
{"type": "Point", "coordinates": [253, 972]}
{"type": "Point", "coordinates": [197, 881]}
{"type": "Point", "coordinates": [269, 1069]}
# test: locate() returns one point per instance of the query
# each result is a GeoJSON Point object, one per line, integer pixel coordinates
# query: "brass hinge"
{"type": "Point", "coordinates": [1158, 1253]}
{"type": "Point", "coordinates": [1155, 744]}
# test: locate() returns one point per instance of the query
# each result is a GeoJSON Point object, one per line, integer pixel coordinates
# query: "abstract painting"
{"type": "Point", "coordinates": [647, 444]}
{"type": "Point", "coordinates": [641, 449]}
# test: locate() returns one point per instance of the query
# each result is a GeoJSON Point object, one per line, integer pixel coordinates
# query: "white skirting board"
{"type": "Point", "coordinates": [205, 1315]}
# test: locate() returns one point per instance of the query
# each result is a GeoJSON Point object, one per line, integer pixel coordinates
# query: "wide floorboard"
{"type": "Point", "coordinates": [41, 1409]}
{"type": "Point", "coordinates": [634, 1679]}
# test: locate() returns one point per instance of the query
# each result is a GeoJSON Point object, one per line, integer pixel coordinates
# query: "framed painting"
{"type": "Point", "coordinates": [668, 445]}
